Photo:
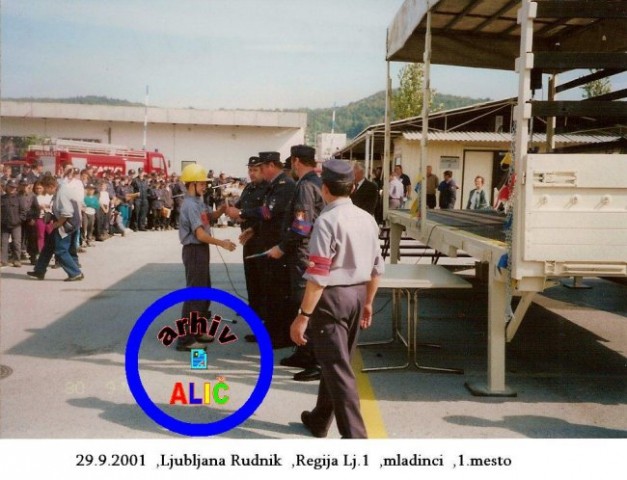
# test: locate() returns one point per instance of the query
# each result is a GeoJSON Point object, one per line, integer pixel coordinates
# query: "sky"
{"type": "Point", "coordinates": [212, 54]}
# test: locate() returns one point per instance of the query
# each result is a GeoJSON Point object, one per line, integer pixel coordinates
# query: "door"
{"type": "Point", "coordinates": [476, 163]}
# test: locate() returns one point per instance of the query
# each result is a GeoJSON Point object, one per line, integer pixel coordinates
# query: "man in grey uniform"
{"type": "Point", "coordinates": [342, 279]}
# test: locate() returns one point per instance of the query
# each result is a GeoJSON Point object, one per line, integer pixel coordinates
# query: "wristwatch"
{"type": "Point", "coordinates": [303, 313]}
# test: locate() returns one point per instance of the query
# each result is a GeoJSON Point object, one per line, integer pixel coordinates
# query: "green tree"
{"type": "Point", "coordinates": [596, 87]}
{"type": "Point", "coordinates": [407, 99]}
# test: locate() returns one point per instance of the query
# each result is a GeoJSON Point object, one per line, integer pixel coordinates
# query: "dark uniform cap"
{"type": "Point", "coordinates": [337, 171]}
{"type": "Point", "coordinates": [287, 163]}
{"type": "Point", "coordinates": [90, 185]}
{"type": "Point", "coordinates": [11, 183]}
{"type": "Point", "coordinates": [303, 151]}
{"type": "Point", "coordinates": [24, 181]}
{"type": "Point", "coordinates": [269, 157]}
{"type": "Point", "coordinates": [254, 162]}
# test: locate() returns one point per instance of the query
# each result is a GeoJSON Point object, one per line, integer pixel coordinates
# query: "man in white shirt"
{"type": "Point", "coordinates": [396, 192]}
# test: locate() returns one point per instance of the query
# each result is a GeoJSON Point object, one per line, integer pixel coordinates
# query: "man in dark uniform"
{"type": "Point", "coordinates": [304, 207]}
{"type": "Point", "coordinates": [13, 215]}
{"type": "Point", "coordinates": [342, 279]}
{"type": "Point", "coordinates": [178, 193]}
{"type": "Point", "coordinates": [248, 208]}
{"type": "Point", "coordinates": [140, 210]}
{"type": "Point", "coordinates": [28, 175]}
{"type": "Point", "coordinates": [366, 193]}
{"type": "Point", "coordinates": [277, 280]}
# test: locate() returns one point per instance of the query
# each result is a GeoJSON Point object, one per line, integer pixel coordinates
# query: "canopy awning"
{"type": "Point", "coordinates": [485, 33]}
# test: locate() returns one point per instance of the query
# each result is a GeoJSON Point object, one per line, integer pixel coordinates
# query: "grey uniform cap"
{"type": "Point", "coordinates": [337, 171]}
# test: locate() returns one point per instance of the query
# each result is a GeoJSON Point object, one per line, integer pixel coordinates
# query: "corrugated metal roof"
{"type": "Point", "coordinates": [500, 137]}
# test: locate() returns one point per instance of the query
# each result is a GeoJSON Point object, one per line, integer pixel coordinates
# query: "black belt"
{"type": "Point", "coordinates": [347, 285]}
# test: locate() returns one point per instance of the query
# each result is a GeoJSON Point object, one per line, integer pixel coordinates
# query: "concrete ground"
{"type": "Point", "coordinates": [62, 349]}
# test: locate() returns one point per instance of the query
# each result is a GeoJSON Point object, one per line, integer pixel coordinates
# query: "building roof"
{"type": "Point", "coordinates": [497, 137]}
{"type": "Point", "coordinates": [188, 116]}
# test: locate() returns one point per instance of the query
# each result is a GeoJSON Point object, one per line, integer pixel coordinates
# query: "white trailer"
{"type": "Point", "coordinates": [569, 214]}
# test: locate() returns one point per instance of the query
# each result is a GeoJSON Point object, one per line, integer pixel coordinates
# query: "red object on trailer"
{"type": "Point", "coordinates": [101, 156]}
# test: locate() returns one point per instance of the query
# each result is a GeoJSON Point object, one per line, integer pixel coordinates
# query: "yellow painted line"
{"type": "Point", "coordinates": [369, 405]}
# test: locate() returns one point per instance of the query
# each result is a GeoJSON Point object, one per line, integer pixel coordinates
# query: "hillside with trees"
{"type": "Point", "coordinates": [356, 116]}
{"type": "Point", "coordinates": [85, 100]}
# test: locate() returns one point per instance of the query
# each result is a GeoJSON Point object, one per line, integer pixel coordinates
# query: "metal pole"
{"type": "Point", "coordinates": [426, 99]}
{"type": "Point", "coordinates": [550, 121]}
{"type": "Point", "coordinates": [386, 145]}
{"type": "Point", "coordinates": [145, 118]}
{"type": "Point", "coordinates": [367, 152]}
{"type": "Point", "coordinates": [372, 140]}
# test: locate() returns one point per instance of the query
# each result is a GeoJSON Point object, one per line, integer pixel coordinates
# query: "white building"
{"type": "Point", "coordinates": [219, 140]}
{"type": "Point", "coordinates": [328, 144]}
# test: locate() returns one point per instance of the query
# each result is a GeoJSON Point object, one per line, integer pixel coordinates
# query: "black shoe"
{"type": "Point", "coordinates": [75, 278]}
{"type": "Point", "coordinates": [37, 275]}
{"type": "Point", "coordinates": [308, 375]}
{"type": "Point", "coordinates": [204, 338]}
{"type": "Point", "coordinates": [305, 417]}
{"type": "Point", "coordinates": [250, 338]}
{"type": "Point", "coordinates": [298, 359]}
{"type": "Point", "coordinates": [188, 347]}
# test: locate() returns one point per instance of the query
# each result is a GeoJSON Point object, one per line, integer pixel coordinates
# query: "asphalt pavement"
{"type": "Point", "coordinates": [63, 344]}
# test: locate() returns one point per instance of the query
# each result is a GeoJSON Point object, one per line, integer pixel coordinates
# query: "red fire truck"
{"type": "Point", "coordinates": [101, 156]}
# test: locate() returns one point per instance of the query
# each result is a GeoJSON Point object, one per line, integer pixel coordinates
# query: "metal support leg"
{"type": "Point", "coordinates": [396, 231]}
{"type": "Point", "coordinates": [497, 296]}
{"type": "Point", "coordinates": [577, 284]}
{"type": "Point", "coordinates": [525, 302]}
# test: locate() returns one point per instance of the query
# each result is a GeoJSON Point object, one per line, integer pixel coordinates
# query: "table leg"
{"type": "Point", "coordinates": [395, 325]}
{"type": "Point", "coordinates": [397, 334]}
{"type": "Point", "coordinates": [414, 320]}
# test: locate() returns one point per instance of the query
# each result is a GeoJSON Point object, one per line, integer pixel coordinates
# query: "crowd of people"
{"type": "Point", "coordinates": [442, 194]}
{"type": "Point", "coordinates": [107, 204]}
